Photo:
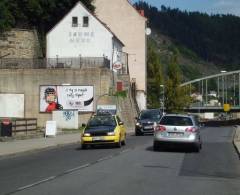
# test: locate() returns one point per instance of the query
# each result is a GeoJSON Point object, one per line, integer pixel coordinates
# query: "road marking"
{"type": "Point", "coordinates": [36, 183]}
{"type": "Point", "coordinates": [77, 168]}
{"type": "Point", "coordinates": [105, 158]}
{"type": "Point", "coordinates": [68, 171]}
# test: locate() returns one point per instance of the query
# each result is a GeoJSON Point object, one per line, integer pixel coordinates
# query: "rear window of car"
{"type": "Point", "coordinates": [176, 121]}
{"type": "Point", "coordinates": [102, 121]}
{"type": "Point", "coordinates": [150, 114]}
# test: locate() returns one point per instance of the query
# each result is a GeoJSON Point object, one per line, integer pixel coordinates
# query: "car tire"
{"type": "Point", "coordinates": [84, 146]}
{"type": "Point", "coordinates": [197, 147]}
{"type": "Point", "coordinates": [155, 146]}
{"type": "Point", "coordinates": [119, 143]}
{"type": "Point", "coordinates": [137, 133]}
{"type": "Point", "coordinates": [124, 141]}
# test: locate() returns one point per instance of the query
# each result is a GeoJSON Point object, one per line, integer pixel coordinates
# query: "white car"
{"type": "Point", "coordinates": [178, 129]}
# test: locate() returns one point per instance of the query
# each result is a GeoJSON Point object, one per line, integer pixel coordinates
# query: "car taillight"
{"type": "Point", "coordinates": [191, 129]}
{"type": "Point", "coordinates": [160, 128]}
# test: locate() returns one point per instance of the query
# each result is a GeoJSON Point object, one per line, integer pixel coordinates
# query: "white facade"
{"type": "Point", "coordinates": [81, 34]}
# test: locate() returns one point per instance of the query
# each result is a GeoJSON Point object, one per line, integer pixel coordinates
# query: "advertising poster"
{"type": "Point", "coordinates": [66, 98]}
{"type": "Point", "coordinates": [12, 105]}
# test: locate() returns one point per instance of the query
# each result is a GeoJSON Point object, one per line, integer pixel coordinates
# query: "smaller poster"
{"type": "Point", "coordinates": [107, 108]}
{"type": "Point", "coordinates": [51, 128]}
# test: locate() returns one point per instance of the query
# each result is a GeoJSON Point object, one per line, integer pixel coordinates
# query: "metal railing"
{"type": "Point", "coordinates": [43, 63]}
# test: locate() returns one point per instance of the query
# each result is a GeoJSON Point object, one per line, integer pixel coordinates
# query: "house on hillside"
{"type": "Point", "coordinates": [80, 38]}
{"type": "Point", "coordinates": [129, 25]}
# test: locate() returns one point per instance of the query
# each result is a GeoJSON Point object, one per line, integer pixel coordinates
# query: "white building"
{"type": "Point", "coordinates": [81, 35]}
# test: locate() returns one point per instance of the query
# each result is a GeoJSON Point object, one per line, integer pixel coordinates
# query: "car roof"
{"type": "Point", "coordinates": [151, 110]}
{"type": "Point", "coordinates": [180, 115]}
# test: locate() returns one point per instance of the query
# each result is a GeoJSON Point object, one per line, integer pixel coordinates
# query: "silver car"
{"type": "Point", "coordinates": [178, 129]}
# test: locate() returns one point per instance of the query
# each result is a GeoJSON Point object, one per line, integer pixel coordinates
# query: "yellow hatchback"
{"type": "Point", "coordinates": [104, 128]}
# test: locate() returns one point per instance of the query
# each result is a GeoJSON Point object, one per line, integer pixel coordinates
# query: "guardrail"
{"type": "Point", "coordinates": [218, 123]}
{"type": "Point", "coordinates": [24, 125]}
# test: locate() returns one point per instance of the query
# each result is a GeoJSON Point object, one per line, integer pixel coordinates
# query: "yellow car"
{"type": "Point", "coordinates": [104, 128]}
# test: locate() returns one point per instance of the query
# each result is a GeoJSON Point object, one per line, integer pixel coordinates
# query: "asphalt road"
{"type": "Point", "coordinates": [133, 169]}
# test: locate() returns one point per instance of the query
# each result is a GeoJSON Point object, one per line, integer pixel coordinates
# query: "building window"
{"type": "Point", "coordinates": [85, 21]}
{"type": "Point", "coordinates": [74, 21]}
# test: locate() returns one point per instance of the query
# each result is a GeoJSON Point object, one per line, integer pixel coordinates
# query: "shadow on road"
{"type": "Point", "coordinates": [98, 147]}
{"type": "Point", "coordinates": [172, 148]}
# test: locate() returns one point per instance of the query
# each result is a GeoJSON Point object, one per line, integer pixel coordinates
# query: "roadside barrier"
{"type": "Point", "coordinates": [24, 125]}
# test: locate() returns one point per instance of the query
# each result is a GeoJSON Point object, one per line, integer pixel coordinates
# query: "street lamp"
{"type": "Point", "coordinates": [223, 86]}
{"type": "Point", "coordinates": [163, 98]}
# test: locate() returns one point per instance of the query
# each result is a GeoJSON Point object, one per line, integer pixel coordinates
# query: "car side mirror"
{"type": "Point", "coordinates": [83, 125]}
{"type": "Point", "coordinates": [121, 123]}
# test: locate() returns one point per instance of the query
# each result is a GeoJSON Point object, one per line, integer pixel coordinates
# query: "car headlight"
{"type": "Point", "coordinates": [86, 135]}
{"type": "Point", "coordinates": [111, 133]}
{"type": "Point", "coordinates": [138, 124]}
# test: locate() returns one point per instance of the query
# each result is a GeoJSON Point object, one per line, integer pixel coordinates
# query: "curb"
{"type": "Point", "coordinates": [130, 133]}
{"type": "Point", "coordinates": [32, 151]}
{"type": "Point", "coordinates": [236, 138]}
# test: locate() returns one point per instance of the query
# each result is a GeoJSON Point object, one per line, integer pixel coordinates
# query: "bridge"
{"type": "Point", "coordinates": [212, 92]}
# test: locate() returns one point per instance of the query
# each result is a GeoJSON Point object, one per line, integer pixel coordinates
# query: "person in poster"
{"type": "Point", "coordinates": [51, 98]}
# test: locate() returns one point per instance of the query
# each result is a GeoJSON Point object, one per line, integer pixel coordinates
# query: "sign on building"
{"type": "Point", "coordinates": [66, 98]}
{"type": "Point", "coordinates": [12, 105]}
{"type": "Point", "coordinates": [107, 108]}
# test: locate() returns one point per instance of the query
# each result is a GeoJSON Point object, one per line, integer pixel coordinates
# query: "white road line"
{"type": "Point", "coordinates": [104, 158]}
{"type": "Point", "coordinates": [77, 168]}
{"type": "Point", "coordinates": [68, 171]}
{"type": "Point", "coordinates": [36, 183]}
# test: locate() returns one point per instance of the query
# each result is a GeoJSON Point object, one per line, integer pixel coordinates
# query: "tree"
{"type": "Point", "coordinates": [6, 19]}
{"type": "Point", "coordinates": [176, 97]}
{"type": "Point", "coordinates": [155, 77]}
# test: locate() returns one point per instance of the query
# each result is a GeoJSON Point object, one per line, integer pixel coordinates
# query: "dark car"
{"type": "Point", "coordinates": [145, 121]}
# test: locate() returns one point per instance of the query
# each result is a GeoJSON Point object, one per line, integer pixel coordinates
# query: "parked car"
{"type": "Point", "coordinates": [178, 129]}
{"type": "Point", "coordinates": [104, 128]}
{"type": "Point", "coordinates": [145, 121]}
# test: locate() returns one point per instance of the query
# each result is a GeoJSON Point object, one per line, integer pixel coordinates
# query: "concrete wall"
{"type": "Point", "coordinates": [20, 43]}
{"type": "Point", "coordinates": [27, 82]}
{"type": "Point", "coordinates": [129, 26]}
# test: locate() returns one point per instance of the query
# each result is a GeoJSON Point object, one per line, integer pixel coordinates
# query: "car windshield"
{"type": "Point", "coordinates": [150, 114]}
{"type": "Point", "coordinates": [176, 121]}
{"type": "Point", "coordinates": [102, 121]}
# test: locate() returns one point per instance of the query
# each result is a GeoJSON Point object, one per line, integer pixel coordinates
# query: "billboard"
{"type": "Point", "coordinates": [12, 105]}
{"type": "Point", "coordinates": [53, 97]}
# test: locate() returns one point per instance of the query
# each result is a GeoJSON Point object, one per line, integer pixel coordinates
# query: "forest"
{"type": "Point", "coordinates": [40, 14]}
{"type": "Point", "coordinates": [214, 38]}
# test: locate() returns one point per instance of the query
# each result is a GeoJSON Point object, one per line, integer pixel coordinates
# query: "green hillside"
{"type": "Point", "coordinates": [214, 39]}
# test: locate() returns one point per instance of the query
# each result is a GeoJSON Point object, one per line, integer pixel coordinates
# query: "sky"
{"type": "Point", "coordinates": [206, 6]}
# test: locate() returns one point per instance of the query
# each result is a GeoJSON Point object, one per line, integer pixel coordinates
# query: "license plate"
{"type": "Point", "coordinates": [97, 138]}
{"type": "Point", "coordinates": [148, 127]}
{"type": "Point", "coordinates": [175, 134]}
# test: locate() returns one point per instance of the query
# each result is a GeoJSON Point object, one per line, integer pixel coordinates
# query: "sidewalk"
{"type": "Point", "coordinates": [14, 147]}
{"type": "Point", "coordinates": [20, 146]}
{"type": "Point", "coordinates": [236, 140]}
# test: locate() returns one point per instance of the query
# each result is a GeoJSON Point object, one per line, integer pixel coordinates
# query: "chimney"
{"type": "Point", "coordinates": [141, 12]}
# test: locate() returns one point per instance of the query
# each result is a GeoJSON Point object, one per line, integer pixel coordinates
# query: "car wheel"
{"type": "Point", "coordinates": [137, 133]}
{"type": "Point", "coordinates": [155, 146]}
{"type": "Point", "coordinates": [84, 146]}
{"type": "Point", "coordinates": [119, 144]}
{"type": "Point", "coordinates": [197, 147]}
{"type": "Point", "coordinates": [124, 142]}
